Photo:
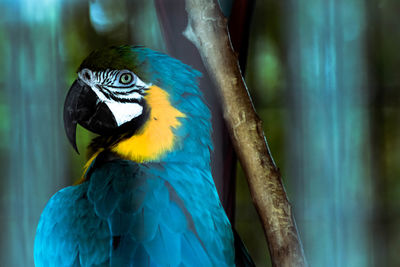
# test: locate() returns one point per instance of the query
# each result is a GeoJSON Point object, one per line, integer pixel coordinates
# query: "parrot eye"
{"type": "Point", "coordinates": [126, 78]}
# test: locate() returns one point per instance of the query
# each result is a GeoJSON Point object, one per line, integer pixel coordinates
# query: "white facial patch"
{"type": "Point", "coordinates": [120, 94]}
{"type": "Point", "coordinates": [124, 112]}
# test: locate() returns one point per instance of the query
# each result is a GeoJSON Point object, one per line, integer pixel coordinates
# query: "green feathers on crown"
{"type": "Point", "coordinates": [117, 58]}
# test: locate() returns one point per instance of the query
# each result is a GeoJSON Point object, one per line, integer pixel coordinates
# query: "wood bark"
{"type": "Point", "coordinates": [207, 30]}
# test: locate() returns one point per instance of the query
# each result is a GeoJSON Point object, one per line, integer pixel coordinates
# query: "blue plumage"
{"type": "Point", "coordinates": [156, 213]}
{"type": "Point", "coordinates": [120, 218]}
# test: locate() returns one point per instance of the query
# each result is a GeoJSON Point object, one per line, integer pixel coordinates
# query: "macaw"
{"type": "Point", "coordinates": [147, 197]}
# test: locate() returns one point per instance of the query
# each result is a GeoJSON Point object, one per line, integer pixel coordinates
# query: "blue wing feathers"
{"type": "Point", "coordinates": [132, 201]}
{"type": "Point", "coordinates": [192, 249]}
{"type": "Point", "coordinates": [141, 258]}
{"type": "Point", "coordinates": [174, 218]}
{"type": "Point", "coordinates": [145, 225]}
{"type": "Point", "coordinates": [164, 248]}
{"type": "Point", "coordinates": [66, 219]}
{"type": "Point", "coordinates": [105, 202]}
{"type": "Point", "coordinates": [130, 217]}
{"type": "Point", "coordinates": [120, 223]}
{"type": "Point", "coordinates": [124, 252]}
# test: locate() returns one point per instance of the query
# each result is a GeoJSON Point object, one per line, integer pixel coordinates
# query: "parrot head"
{"type": "Point", "coordinates": [133, 98]}
{"type": "Point", "coordinates": [107, 96]}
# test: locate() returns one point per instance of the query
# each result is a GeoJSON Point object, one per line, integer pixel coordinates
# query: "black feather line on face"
{"type": "Point", "coordinates": [114, 96]}
{"type": "Point", "coordinates": [140, 90]}
{"type": "Point", "coordinates": [127, 92]}
{"type": "Point", "coordinates": [121, 87]}
{"type": "Point", "coordinates": [107, 93]}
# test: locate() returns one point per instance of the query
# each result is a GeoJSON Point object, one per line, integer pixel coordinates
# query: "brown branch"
{"type": "Point", "coordinates": [207, 30]}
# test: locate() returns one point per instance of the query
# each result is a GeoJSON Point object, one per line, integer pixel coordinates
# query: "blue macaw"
{"type": "Point", "coordinates": [147, 197]}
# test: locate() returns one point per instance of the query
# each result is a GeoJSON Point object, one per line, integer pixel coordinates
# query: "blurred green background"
{"type": "Point", "coordinates": [324, 77]}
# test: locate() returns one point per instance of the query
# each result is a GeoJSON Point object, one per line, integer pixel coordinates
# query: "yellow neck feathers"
{"type": "Point", "coordinates": [155, 137]}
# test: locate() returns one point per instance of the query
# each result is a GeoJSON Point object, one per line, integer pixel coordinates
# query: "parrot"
{"type": "Point", "coordinates": [147, 195]}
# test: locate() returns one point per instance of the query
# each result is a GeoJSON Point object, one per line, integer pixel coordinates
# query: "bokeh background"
{"type": "Point", "coordinates": [324, 77]}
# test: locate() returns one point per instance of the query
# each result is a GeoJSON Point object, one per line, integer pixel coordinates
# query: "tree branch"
{"type": "Point", "coordinates": [207, 30]}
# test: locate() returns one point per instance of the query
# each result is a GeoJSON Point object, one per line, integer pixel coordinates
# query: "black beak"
{"type": "Point", "coordinates": [83, 106]}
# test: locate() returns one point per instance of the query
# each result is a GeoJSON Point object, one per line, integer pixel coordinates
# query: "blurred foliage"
{"type": "Point", "coordinates": [373, 133]}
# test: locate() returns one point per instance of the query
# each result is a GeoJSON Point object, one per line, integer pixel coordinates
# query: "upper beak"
{"type": "Point", "coordinates": [73, 109]}
{"type": "Point", "coordinates": [82, 106]}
